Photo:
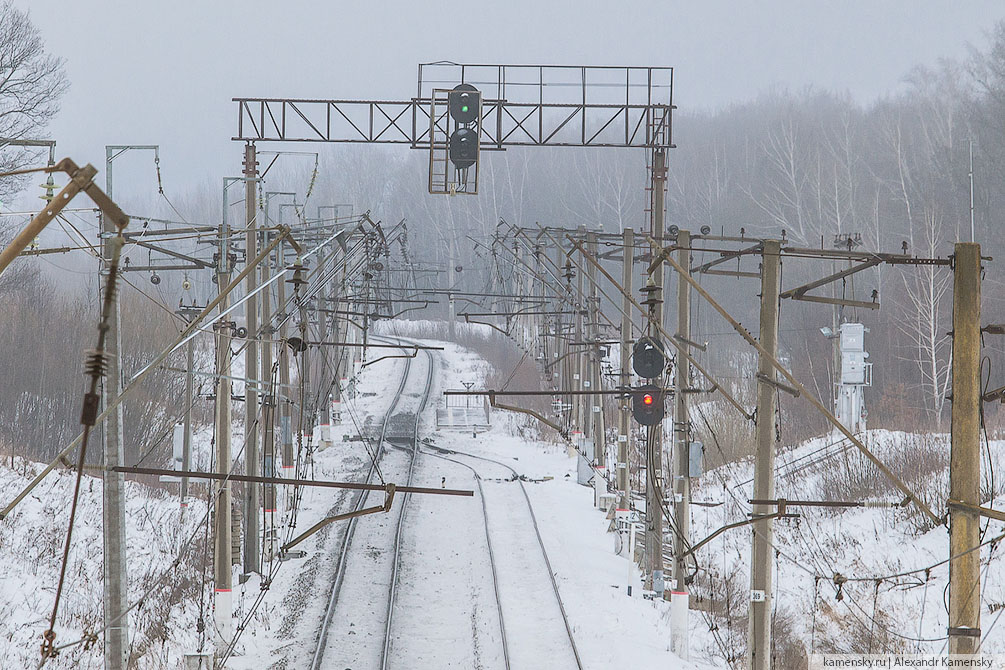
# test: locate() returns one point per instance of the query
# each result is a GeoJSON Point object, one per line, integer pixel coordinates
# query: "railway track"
{"type": "Point", "coordinates": [531, 626]}
{"type": "Point", "coordinates": [356, 616]}
{"type": "Point", "coordinates": [360, 624]}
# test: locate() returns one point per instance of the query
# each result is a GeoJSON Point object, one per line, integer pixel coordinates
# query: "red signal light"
{"type": "Point", "coordinates": [647, 404]}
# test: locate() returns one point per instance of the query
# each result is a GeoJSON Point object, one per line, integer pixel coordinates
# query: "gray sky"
{"type": "Point", "coordinates": [159, 72]}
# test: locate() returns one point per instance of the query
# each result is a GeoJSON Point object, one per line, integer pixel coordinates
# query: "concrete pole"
{"type": "Point", "coordinates": [451, 262]}
{"type": "Point", "coordinates": [305, 373]}
{"type": "Point", "coordinates": [528, 325]}
{"type": "Point", "coordinates": [761, 556]}
{"type": "Point", "coordinates": [595, 403]}
{"type": "Point", "coordinates": [222, 553]}
{"type": "Point", "coordinates": [625, 377]}
{"type": "Point", "coordinates": [581, 403]}
{"type": "Point", "coordinates": [564, 381]}
{"type": "Point", "coordinates": [186, 445]}
{"type": "Point", "coordinates": [538, 342]}
{"type": "Point", "coordinates": [580, 359]}
{"type": "Point", "coordinates": [269, 399]}
{"type": "Point", "coordinates": [681, 458]}
{"type": "Point", "coordinates": [654, 445]}
{"type": "Point", "coordinates": [112, 496]}
{"type": "Point", "coordinates": [371, 294]}
{"type": "Point", "coordinates": [252, 545]}
{"type": "Point", "coordinates": [681, 446]}
{"type": "Point", "coordinates": [965, 454]}
{"type": "Point", "coordinates": [285, 413]}
{"type": "Point", "coordinates": [337, 335]}
{"type": "Point", "coordinates": [322, 325]}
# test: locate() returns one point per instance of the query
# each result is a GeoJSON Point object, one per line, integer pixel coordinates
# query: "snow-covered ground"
{"type": "Point", "coordinates": [447, 614]}
{"type": "Point", "coordinates": [31, 546]}
{"type": "Point", "coordinates": [880, 608]}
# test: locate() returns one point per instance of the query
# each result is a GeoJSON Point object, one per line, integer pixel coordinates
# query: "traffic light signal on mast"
{"type": "Point", "coordinates": [648, 405]}
{"type": "Point", "coordinates": [648, 357]}
{"type": "Point", "coordinates": [464, 104]}
{"type": "Point", "coordinates": [463, 148]}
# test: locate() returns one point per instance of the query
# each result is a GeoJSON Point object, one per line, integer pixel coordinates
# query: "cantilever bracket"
{"type": "Point", "coordinates": [467, 319]}
{"type": "Point", "coordinates": [691, 343]}
{"type": "Point", "coordinates": [415, 352]}
{"type": "Point", "coordinates": [736, 524]}
{"type": "Point", "coordinates": [81, 179]}
{"type": "Point", "coordinates": [385, 507]}
{"type": "Point", "coordinates": [536, 415]}
{"type": "Point", "coordinates": [765, 379]}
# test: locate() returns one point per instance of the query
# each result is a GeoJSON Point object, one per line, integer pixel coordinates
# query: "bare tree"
{"type": "Point", "coordinates": [31, 83]}
{"type": "Point", "coordinates": [927, 287]}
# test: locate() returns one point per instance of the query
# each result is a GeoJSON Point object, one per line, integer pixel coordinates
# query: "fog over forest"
{"type": "Point", "coordinates": [832, 126]}
{"type": "Point", "coordinates": [808, 163]}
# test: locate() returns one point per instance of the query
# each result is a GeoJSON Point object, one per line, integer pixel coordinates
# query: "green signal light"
{"type": "Point", "coordinates": [464, 109]}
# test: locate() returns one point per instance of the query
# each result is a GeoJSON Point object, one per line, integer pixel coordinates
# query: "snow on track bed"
{"type": "Point", "coordinates": [534, 622]}
{"type": "Point", "coordinates": [306, 585]}
{"type": "Point", "coordinates": [445, 615]}
{"type": "Point", "coordinates": [355, 633]}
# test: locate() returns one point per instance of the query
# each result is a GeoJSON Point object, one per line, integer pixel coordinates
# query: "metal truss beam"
{"type": "Point", "coordinates": [504, 124]}
{"type": "Point", "coordinates": [522, 105]}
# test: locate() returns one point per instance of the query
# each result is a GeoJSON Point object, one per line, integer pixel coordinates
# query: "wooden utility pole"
{"type": "Point", "coordinates": [222, 553]}
{"type": "Point", "coordinates": [964, 461]}
{"type": "Point", "coordinates": [625, 376]}
{"type": "Point", "coordinates": [251, 453]}
{"type": "Point", "coordinates": [761, 555]}
{"type": "Point", "coordinates": [654, 443]}
{"type": "Point", "coordinates": [681, 443]}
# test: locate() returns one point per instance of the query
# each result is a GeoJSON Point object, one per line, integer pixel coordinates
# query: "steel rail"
{"type": "Point", "coordinates": [393, 587]}
{"type": "Point", "coordinates": [540, 541]}
{"type": "Point", "coordinates": [492, 557]}
{"type": "Point", "coordinates": [347, 537]}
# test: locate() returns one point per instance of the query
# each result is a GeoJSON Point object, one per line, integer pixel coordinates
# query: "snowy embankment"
{"type": "Point", "coordinates": [31, 547]}
{"type": "Point", "coordinates": [847, 580]}
{"type": "Point", "coordinates": [447, 615]}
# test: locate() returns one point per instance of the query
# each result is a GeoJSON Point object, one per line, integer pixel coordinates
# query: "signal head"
{"type": "Point", "coordinates": [648, 357]}
{"type": "Point", "coordinates": [464, 103]}
{"type": "Point", "coordinates": [463, 149]}
{"type": "Point", "coordinates": [648, 405]}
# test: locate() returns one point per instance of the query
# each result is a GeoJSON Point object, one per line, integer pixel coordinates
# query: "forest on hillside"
{"type": "Point", "coordinates": [809, 165]}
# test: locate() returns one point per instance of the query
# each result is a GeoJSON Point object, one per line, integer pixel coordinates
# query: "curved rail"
{"type": "Point", "coordinates": [492, 556]}
{"type": "Point", "coordinates": [392, 589]}
{"type": "Point", "coordinates": [347, 537]}
{"type": "Point", "coordinates": [540, 541]}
